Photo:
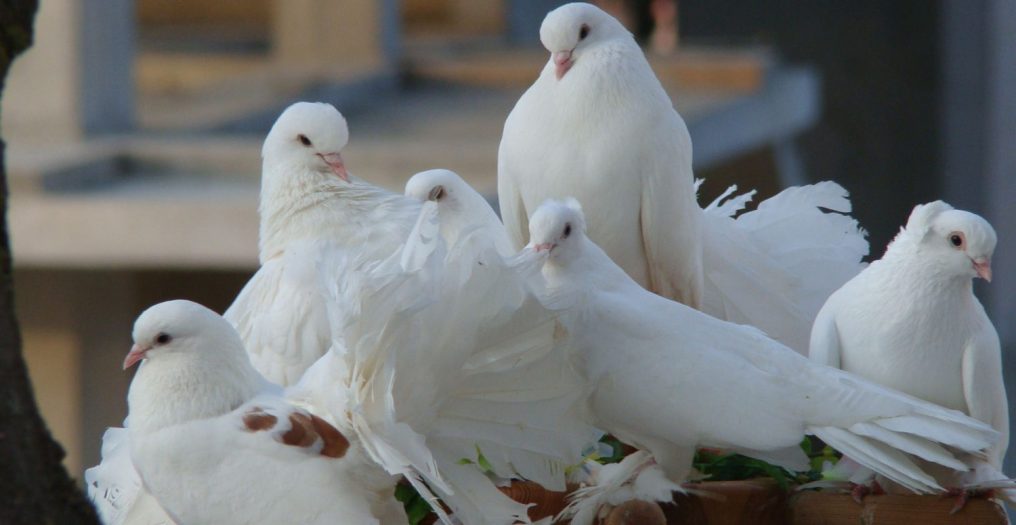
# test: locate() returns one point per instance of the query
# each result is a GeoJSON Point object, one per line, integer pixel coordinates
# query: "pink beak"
{"type": "Point", "coordinates": [562, 62]}
{"type": "Point", "coordinates": [334, 161]}
{"type": "Point", "coordinates": [136, 354]}
{"type": "Point", "coordinates": [983, 268]}
{"type": "Point", "coordinates": [547, 246]}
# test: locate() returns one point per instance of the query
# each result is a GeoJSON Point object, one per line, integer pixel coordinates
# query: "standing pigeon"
{"type": "Point", "coordinates": [910, 321]}
{"type": "Point", "coordinates": [461, 209]}
{"type": "Point", "coordinates": [669, 379]}
{"type": "Point", "coordinates": [215, 443]}
{"type": "Point", "coordinates": [597, 125]}
{"type": "Point", "coordinates": [310, 207]}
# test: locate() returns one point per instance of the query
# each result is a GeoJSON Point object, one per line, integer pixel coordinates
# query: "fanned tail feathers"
{"type": "Point", "coordinates": [774, 267]}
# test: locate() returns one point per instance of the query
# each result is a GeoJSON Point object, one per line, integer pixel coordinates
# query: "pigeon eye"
{"type": "Point", "coordinates": [304, 140]}
{"type": "Point", "coordinates": [583, 32]}
{"type": "Point", "coordinates": [567, 229]}
{"type": "Point", "coordinates": [956, 239]}
{"type": "Point", "coordinates": [163, 338]}
{"type": "Point", "coordinates": [436, 193]}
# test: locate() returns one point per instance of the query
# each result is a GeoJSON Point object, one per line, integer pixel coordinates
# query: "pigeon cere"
{"type": "Point", "coordinates": [592, 335]}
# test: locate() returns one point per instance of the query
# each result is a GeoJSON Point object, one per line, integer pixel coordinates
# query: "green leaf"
{"type": "Point", "coordinates": [416, 507]}
{"type": "Point", "coordinates": [616, 446]}
{"type": "Point", "coordinates": [482, 462]}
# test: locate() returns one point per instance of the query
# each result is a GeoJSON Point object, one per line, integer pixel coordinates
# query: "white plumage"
{"type": "Point", "coordinates": [598, 126]}
{"type": "Point", "coordinates": [462, 210]}
{"type": "Point", "coordinates": [309, 208]}
{"type": "Point", "coordinates": [215, 443]}
{"type": "Point", "coordinates": [115, 489]}
{"type": "Point", "coordinates": [910, 321]}
{"type": "Point", "coordinates": [668, 378]}
{"type": "Point", "coordinates": [444, 359]}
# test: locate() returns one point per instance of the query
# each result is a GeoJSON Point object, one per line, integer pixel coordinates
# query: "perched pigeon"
{"type": "Point", "coordinates": [461, 209]}
{"type": "Point", "coordinates": [214, 442]}
{"type": "Point", "coordinates": [662, 372]}
{"type": "Point", "coordinates": [445, 368]}
{"type": "Point", "coordinates": [910, 321]}
{"type": "Point", "coordinates": [597, 125]}
{"type": "Point", "coordinates": [310, 206]}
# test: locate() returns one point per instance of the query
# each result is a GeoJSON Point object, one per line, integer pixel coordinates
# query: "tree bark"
{"type": "Point", "coordinates": [34, 486]}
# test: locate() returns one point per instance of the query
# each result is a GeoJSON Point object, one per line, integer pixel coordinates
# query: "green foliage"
{"type": "Point", "coordinates": [731, 467]}
{"type": "Point", "coordinates": [615, 445]}
{"type": "Point", "coordinates": [818, 454]}
{"type": "Point", "coordinates": [480, 462]}
{"type": "Point", "coordinates": [416, 507]}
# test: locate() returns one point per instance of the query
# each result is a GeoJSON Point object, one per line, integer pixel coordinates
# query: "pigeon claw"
{"type": "Point", "coordinates": [861, 491]}
{"type": "Point", "coordinates": [963, 496]}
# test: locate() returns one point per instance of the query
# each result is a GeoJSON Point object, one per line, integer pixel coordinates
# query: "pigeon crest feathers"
{"type": "Point", "coordinates": [556, 219]}
{"type": "Point", "coordinates": [954, 242]}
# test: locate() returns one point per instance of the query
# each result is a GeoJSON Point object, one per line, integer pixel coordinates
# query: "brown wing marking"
{"type": "Point", "coordinates": [304, 431]}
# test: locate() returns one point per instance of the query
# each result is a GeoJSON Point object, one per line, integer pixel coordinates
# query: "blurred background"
{"type": "Point", "coordinates": [134, 130]}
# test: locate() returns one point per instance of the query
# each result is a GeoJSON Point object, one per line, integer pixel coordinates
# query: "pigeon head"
{"type": "Point", "coordinates": [960, 242]}
{"type": "Point", "coordinates": [308, 136]}
{"type": "Point", "coordinates": [194, 367]}
{"type": "Point", "coordinates": [442, 186]}
{"type": "Point", "coordinates": [181, 328]}
{"type": "Point", "coordinates": [557, 227]}
{"type": "Point", "coordinates": [571, 30]}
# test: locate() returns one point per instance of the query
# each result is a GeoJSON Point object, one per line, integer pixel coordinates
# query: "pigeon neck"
{"type": "Point", "coordinates": [585, 265]}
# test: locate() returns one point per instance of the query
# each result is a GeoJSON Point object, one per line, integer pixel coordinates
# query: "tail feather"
{"type": "Point", "coordinates": [879, 457]}
{"type": "Point", "coordinates": [948, 432]}
{"type": "Point", "coordinates": [918, 446]}
{"type": "Point", "coordinates": [774, 267]}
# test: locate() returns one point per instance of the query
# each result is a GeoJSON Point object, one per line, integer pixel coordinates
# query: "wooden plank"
{"type": "Point", "coordinates": [827, 508]}
{"type": "Point", "coordinates": [736, 70]}
{"type": "Point", "coordinates": [754, 502]}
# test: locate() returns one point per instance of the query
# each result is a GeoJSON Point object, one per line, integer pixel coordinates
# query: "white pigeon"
{"type": "Point", "coordinates": [310, 207]}
{"type": "Point", "coordinates": [669, 379]}
{"type": "Point", "coordinates": [214, 442]}
{"type": "Point", "coordinates": [910, 321]}
{"type": "Point", "coordinates": [443, 366]}
{"type": "Point", "coordinates": [597, 125]}
{"type": "Point", "coordinates": [461, 209]}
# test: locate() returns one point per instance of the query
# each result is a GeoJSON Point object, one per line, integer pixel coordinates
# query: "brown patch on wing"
{"type": "Point", "coordinates": [335, 443]}
{"type": "Point", "coordinates": [256, 419]}
{"type": "Point", "coordinates": [307, 429]}
{"type": "Point", "coordinates": [301, 432]}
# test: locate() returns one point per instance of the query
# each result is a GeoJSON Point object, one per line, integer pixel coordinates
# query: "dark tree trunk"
{"type": "Point", "coordinates": [34, 486]}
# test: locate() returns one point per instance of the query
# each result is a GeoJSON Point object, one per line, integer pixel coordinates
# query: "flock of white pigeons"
{"type": "Point", "coordinates": [417, 337]}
